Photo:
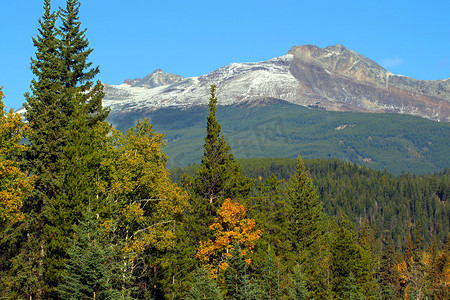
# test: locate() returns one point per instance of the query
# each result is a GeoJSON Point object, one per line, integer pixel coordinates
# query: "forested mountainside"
{"type": "Point", "coordinates": [275, 128]}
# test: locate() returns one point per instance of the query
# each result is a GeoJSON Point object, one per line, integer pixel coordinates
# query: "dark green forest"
{"type": "Point", "coordinates": [91, 212]}
{"type": "Point", "coordinates": [276, 128]}
{"type": "Point", "coordinates": [391, 203]}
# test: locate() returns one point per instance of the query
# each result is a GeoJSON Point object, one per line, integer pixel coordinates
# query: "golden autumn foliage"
{"type": "Point", "coordinates": [147, 202]}
{"type": "Point", "coordinates": [230, 226]}
{"type": "Point", "coordinates": [14, 184]}
{"type": "Point", "coordinates": [436, 270]}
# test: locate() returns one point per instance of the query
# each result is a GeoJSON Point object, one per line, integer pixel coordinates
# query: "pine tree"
{"type": "Point", "coordinates": [43, 112]}
{"type": "Point", "coordinates": [81, 104]}
{"type": "Point", "coordinates": [270, 208]}
{"type": "Point", "coordinates": [387, 275]}
{"type": "Point", "coordinates": [297, 287]}
{"type": "Point", "coordinates": [348, 261]}
{"type": "Point", "coordinates": [270, 277]}
{"type": "Point", "coordinates": [306, 215]}
{"type": "Point", "coordinates": [88, 269]}
{"type": "Point", "coordinates": [63, 108]}
{"type": "Point", "coordinates": [219, 176]}
{"type": "Point", "coordinates": [203, 287]}
{"type": "Point", "coordinates": [80, 92]}
{"type": "Point", "coordinates": [306, 231]}
{"type": "Point", "coordinates": [42, 156]}
{"type": "Point", "coordinates": [238, 284]}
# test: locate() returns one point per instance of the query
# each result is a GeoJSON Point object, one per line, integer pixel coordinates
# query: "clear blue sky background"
{"type": "Point", "coordinates": [190, 37]}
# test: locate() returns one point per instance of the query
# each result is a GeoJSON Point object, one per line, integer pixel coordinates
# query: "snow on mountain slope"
{"type": "Point", "coordinates": [236, 83]}
{"type": "Point", "coordinates": [332, 78]}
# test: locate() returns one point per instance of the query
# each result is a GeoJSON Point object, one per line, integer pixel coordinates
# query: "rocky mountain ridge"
{"type": "Point", "coordinates": [332, 78]}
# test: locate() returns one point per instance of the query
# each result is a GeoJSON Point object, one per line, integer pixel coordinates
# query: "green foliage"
{"type": "Point", "coordinates": [62, 109]}
{"type": "Point", "coordinates": [305, 210]}
{"type": "Point", "coordinates": [398, 143]}
{"type": "Point", "coordinates": [14, 184]}
{"type": "Point", "coordinates": [269, 282]}
{"type": "Point", "coordinates": [81, 95]}
{"type": "Point", "coordinates": [203, 287]}
{"type": "Point", "coordinates": [270, 209]}
{"type": "Point", "coordinates": [388, 202]}
{"type": "Point", "coordinates": [143, 210]}
{"type": "Point", "coordinates": [350, 270]}
{"type": "Point", "coordinates": [88, 269]}
{"type": "Point", "coordinates": [219, 176]}
{"type": "Point", "coordinates": [238, 284]}
{"type": "Point", "coordinates": [297, 287]}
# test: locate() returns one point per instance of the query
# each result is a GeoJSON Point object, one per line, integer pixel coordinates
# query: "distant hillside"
{"type": "Point", "coordinates": [275, 128]}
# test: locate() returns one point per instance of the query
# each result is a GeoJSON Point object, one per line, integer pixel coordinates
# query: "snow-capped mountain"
{"type": "Point", "coordinates": [333, 78]}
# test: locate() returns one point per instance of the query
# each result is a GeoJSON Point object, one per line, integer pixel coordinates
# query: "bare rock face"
{"type": "Point", "coordinates": [334, 78]}
{"type": "Point", "coordinates": [340, 79]}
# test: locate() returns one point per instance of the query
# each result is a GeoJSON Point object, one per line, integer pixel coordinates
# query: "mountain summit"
{"type": "Point", "coordinates": [332, 78]}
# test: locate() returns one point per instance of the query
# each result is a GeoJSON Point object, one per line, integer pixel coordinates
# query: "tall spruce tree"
{"type": "Point", "coordinates": [41, 159]}
{"type": "Point", "coordinates": [238, 283]}
{"type": "Point", "coordinates": [88, 270]}
{"type": "Point", "coordinates": [203, 287]}
{"type": "Point", "coordinates": [80, 92]}
{"type": "Point", "coordinates": [350, 269]}
{"type": "Point", "coordinates": [297, 287]}
{"type": "Point", "coordinates": [81, 104]}
{"type": "Point", "coordinates": [63, 108]}
{"type": "Point", "coordinates": [387, 275]}
{"type": "Point", "coordinates": [219, 175]}
{"type": "Point", "coordinates": [306, 216]}
{"type": "Point", "coordinates": [270, 277]}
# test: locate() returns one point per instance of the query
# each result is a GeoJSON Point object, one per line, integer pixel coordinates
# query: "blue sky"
{"type": "Point", "coordinates": [190, 37]}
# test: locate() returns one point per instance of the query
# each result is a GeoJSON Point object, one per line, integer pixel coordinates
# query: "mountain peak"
{"type": "Point", "coordinates": [154, 79]}
{"type": "Point", "coordinates": [331, 78]}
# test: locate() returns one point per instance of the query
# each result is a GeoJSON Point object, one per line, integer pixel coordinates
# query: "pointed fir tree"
{"type": "Point", "coordinates": [270, 208]}
{"type": "Point", "coordinates": [42, 157]}
{"type": "Point", "coordinates": [387, 274]}
{"type": "Point", "coordinates": [88, 269]}
{"type": "Point", "coordinates": [43, 113]}
{"type": "Point", "coordinates": [238, 284]}
{"type": "Point", "coordinates": [348, 260]}
{"type": "Point", "coordinates": [203, 287]}
{"type": "Point", "coordinates": [219, 176]}
{"type": "Point", "coordinates": [306, 217]}
{"type": "Point", "coordinates": [62, 108]}
{"type": "Point", "coordinates": [297, 286]}
{"type": "Point", "coordinates": [80, 92]}
{"type": "Point", "coordinates": [270, 277]}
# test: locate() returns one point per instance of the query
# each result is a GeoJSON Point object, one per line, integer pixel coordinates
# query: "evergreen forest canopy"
{"type": "Point", "coordinates": [276, 128]}
{"type": "Point", "coordinates": [89, 212]}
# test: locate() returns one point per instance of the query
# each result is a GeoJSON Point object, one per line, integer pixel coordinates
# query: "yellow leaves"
{"type": "Point", "coordinates": [403, 273]}
{"type": "Point", "coordinates": [14, 185]}
{"type": "Point", "coordinates": [229, 226]}
{"type": "Point", "coordinates": [132, 213]}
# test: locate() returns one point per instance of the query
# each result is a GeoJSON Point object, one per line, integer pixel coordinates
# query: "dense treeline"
{"type": "Point", "coordinates": [390, 203]}
{"type": "Point", "coordinates": [87, 212]}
